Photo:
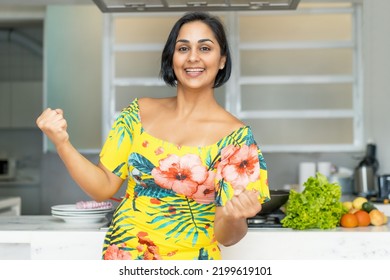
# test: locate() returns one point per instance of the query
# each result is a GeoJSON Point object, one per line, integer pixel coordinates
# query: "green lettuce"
{"type": "Point", "coordinates": [317, 206]}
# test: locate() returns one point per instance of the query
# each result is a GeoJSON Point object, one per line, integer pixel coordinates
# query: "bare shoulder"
{"type": "Point", "coordinates": [148, 104]}
{"type": "Point", "coordinates": [231, 119]}
{"type": "Point", "coordinates": [228, 122]}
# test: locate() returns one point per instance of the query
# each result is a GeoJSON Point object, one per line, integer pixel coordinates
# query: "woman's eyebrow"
{"type": "Point", "coordinates": [199, 41]}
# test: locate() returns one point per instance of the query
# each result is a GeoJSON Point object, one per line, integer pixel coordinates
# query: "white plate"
{"type": "Point", "coordinates": [72, 208]}
{"type": "Point", "coordinates": [77, 214]}
{"type": "Point", "coordinates": [82, 220]}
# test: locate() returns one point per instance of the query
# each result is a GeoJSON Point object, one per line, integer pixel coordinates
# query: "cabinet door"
{"type": "Point", "coordinates": [5, 104]}
{"type": "Point", "coordinates": [26, 103]}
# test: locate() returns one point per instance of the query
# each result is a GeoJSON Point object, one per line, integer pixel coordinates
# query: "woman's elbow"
{"type": "Point", "coordinates": [228, 241]}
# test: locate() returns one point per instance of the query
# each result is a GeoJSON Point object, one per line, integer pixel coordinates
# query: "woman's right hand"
{"type": "Point", "coordinates": [53, 124]}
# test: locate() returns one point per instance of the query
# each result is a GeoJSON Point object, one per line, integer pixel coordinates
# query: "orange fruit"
{"type": "Point", "coordinates": [377, 217]}
{"type": "Point", "coordinates": [349, 220]}
{"type": "Point", "coordinates": [363, 218]}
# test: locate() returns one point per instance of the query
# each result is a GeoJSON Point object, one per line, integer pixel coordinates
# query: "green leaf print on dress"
{"type": "Point", "coordinates": [184, 217]}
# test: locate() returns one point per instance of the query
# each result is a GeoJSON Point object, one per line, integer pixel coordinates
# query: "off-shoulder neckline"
{"type": "Point", "coordinates": [183, 146]}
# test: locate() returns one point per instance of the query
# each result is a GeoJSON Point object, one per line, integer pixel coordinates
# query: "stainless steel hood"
{"type": "Point", "coordinates": [128, 6]}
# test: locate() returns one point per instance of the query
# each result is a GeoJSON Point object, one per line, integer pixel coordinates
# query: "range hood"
{"type": "Point", "coordinates": [128, 6]}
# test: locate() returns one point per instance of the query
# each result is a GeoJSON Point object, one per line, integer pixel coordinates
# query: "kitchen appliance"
{"type": "Point", "coordinates": [278, 199]}
{"type": "Point", "coordinates": [344, 177]}
{"type": "Point", "coordinates": [7, 169]}
{"type": "Point", "coordinates": [384, 186]}
{"type": "Point", "coordinates": [127, 6]}
{"type": "Point", "coordinates": [365, 178]}
{"type": "Point", "coordinates": [270, 215]}
{"type": "Point", "coordinates": [271, 220]}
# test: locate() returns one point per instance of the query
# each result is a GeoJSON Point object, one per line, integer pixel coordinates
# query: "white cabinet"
{"type": "Point", "coordinates": [10, 206]}
{"type": "Point", "coordinates": [299, 89]}
{"type": "Point", "coordinates": [20, 103]}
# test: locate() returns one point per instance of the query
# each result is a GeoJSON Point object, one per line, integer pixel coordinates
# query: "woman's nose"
{"type": "Point", "coordinates": [193, 55]}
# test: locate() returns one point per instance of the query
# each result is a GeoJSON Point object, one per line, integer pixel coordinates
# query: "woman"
{"type": "Point", "coordinates": [195, 172]}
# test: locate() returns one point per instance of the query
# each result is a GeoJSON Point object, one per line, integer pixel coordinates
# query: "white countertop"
{"type": "Point", "coordinates": [45, 223]}
{"type": "Point", "coordinates": [46, 237]}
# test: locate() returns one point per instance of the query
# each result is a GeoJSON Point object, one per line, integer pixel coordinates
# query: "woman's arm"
{"type": "Point", "coordinates": [97, 181]}
{"type": "Point", "coordinates": [230, 224]}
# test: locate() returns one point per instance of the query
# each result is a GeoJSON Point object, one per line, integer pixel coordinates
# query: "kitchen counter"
{"type": "Point", "coordinates": [46, 237]}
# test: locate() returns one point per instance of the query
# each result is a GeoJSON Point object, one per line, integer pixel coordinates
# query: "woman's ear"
{"type": "Point", "coordinates": [222, 62]}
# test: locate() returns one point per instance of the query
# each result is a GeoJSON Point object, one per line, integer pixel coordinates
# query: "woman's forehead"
{"type": "Point", "coordinates": [195, 30]}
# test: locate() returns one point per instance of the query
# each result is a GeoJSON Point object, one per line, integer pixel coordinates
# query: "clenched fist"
{"type": "Point", "coordinates": [53, 124]}
{"type": "Point", "coordinates": [244, 204]}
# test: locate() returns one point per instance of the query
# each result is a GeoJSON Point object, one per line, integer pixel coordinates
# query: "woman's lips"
{"type": "Point", "coordinates": [194, 72]}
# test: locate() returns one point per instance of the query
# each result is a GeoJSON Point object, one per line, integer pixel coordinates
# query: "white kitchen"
{"type": "Point", "coordinates": [311, 81]}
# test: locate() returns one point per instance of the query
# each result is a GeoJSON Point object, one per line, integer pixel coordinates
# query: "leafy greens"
{"type": "Point", "coordinates": [317, 206]}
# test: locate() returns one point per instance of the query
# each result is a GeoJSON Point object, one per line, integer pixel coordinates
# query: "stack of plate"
{"type": "Point", "coordinates": [71, 214]}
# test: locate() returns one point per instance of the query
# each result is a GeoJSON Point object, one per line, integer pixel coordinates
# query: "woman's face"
{"type": "Point", "coordinates": [197, 57]}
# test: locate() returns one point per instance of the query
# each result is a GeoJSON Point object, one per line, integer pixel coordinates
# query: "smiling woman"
{"type": "Point", "coordinates": [188, 191]}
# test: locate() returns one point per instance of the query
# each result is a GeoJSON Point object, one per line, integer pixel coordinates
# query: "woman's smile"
{"type": "Point", "coordinates": [194, 72]}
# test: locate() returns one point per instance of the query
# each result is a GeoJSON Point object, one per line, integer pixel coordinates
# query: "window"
{"type": "Point", "coordinates": [296, 78]}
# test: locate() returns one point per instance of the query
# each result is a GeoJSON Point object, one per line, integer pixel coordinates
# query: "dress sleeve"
{"type": "Point", "coordinates": [116, 149]}
{"type": "Point", "coordinates": [242, 166]}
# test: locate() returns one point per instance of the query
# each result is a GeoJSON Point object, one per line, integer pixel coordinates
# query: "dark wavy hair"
{"type": "Point", "coordinates": [167, 73]}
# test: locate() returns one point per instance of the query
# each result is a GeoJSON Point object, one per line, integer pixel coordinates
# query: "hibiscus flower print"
{"type": "Point", "coordinates": [206, 191]}
{"type": "Point", "coordinates": [186, 175]}
{"type": "Point", "coordinates": [147, 246]}
{"type": "Point", "coordinates": [239, 165]}
{"type": "Point", "coordinates": [114, 252]}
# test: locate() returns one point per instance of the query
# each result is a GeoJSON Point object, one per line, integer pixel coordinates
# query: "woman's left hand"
{"type": "Point", "coordinates": [244, 204]}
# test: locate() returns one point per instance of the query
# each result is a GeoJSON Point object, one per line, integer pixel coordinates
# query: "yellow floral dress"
{"type": "Point", "coordinates": [169, 207]}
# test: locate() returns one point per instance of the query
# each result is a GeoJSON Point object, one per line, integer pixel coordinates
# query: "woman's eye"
{"type": "Point", "coordinates": [205, 49]}
{"type": "Point", "coordinates": [183, 49]}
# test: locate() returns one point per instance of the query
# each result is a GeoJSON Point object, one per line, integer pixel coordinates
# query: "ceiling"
{"type": "Point", "coordinates": [14, 10]}
{"type": "Point", "coordinates": [112, 6]}
{"type": "Point", "coordinates": [44, 2]}
{"type": "Point", "coordinates": [88, 2]}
